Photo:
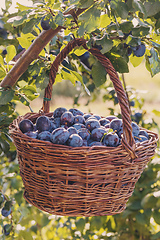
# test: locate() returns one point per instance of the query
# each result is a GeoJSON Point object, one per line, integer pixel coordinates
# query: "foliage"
{"type": "Point", "coordinates": [116, 28]}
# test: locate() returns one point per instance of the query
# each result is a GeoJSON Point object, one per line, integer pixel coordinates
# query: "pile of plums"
{"type": "Point", "coordinates": [74, 128]}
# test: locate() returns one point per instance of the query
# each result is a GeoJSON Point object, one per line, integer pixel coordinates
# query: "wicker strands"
{"type": "Point", "coordinates": [83, 181]}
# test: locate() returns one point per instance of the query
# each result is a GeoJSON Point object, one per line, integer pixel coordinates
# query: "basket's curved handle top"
{"type": "Point", "coordinates": [127, 139]}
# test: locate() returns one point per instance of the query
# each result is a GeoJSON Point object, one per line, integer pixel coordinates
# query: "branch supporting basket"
{"type": "Point", "coordinates": [82, 181]}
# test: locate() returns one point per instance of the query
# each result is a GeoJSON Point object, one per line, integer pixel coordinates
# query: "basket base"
{"type": "Point", "coordinates": [63, 209]}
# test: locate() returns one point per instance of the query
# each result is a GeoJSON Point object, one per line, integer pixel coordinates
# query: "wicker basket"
{"type": "Point", "coordinates": [82, 181]}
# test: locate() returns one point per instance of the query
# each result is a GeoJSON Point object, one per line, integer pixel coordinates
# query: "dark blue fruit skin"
{"type": "Point", "coordinates": [92, 117]}
{"type": "Point", "coordinates": [129, 51]}
{"type": "Point", "coordinates": [94, 143]}
{"type": "Point", "coordinates": [84, 133]}
{"type": "Point", "coordinates": [45, 136]}
{"type": "Point", "coordinates": [57, 122]}
{"type": "Point", "coordinates": [144, 133]}
{"type": "Point", "coordinates": [45, 23]}
{"type": "Point", "coordinates": [132, 103]}
{"type": "Point", "coordinates": [137, 117]}
{"type": "Point", "coordinates": [140, 50]}
{"type": "Point", "coordinates": [4, 52]}
{"type": "Point", "coordinates": [107, 125]}
{"type": "Point", "coordinates": [79, 126]}
{"type": "Point", "coordinates": [52, 127]}
{"type": "Point", "coordinates": [87, 115]}
{"type": "Point", "coordinates": [98, 133]}
{"type": "Point", "coordinates": [75, 112]}
{"type": "Point", "coordinates": [59, 136]}
{"type": "Point", "coordinates": [67, 118]}
{"type": "Point", "coordinates": [6, 233]}
{"type": "Point", "coordinates": [75, 141]}
{"type": "Point", "coordinates": [117, 125]}
{"type": "Point", "coordinates": [79, 119]}
{"type": "Point", "coordinates": [58, 112]}
{"type": "Point", "coordinates": [43, 124]}
{"type": "Point", "coordinates": [135, 129]}
{"type": "Point", "coordinates": [5, 213]}
{"type": "Point", "coordinates": [103, 121]}
{"type": "Point", "coordinates": [85, 143]}
{"type": "Point", "coordinates": [72, 130]}
{"type": "Point", "coordinates": [26, 125]}
{"type": "Point", "coordinates": [142, 138]}
{"type": "Point", "coordinates": [111, 139]}
{"type": "Point", "coordinates": [96, 116]}
{"type": "Point", "coordinates": [91, 124]}
{"type": "Point", "coordinates": [84, 59]}
{"type": "Point", "coordinates": [111, 117]}
{"type": "Point", "coordinates": [31, 134]}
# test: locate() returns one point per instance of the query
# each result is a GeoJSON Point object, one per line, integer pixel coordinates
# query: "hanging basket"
{"type": "Point", "coordinates": [81, 181]}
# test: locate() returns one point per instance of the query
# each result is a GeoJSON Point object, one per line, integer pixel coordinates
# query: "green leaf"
{"type": "Point", "coordinates": [79, 51]}
{"type": "Point", "coordinates": [22, 7]}
{"type": "Point", "coordinates": [20, 21]}
{"type": "Point", "coordinates": [96, 223]}
{"type": "Point", "coordinates": [25, 235]}
{"type": "Point", "coordinates": [1, 60]}
{"type": "Point", "coordinates": [8, 3]}
{"type": "Point", "coordinates": [7, 205]}
{"type": "Point", "coordinates": [142, 219]}
{"type": "Point", "coordinates": [98, 73]}
{"type": "Point", "coordinates": [11, 52]}
{"type": "Point", "coordinates": [80, 224]}
{"type": "Point", "coordinates": [156, 216]}
{"type": "Point", "coordinates": [2, 73]}
{"type": "Point", "coordinates": [59, 19]}
{"type": "Point", "coordinates": [22, 99]}
{"type": "Point", "coordinates": [91, 19]}
{"type": "Point", "coordinates": [104, 21]}
{"type": "Point", "coordinates": [156, 112]}
{"type": "Point", "coordinates": [73, 77]}
{"type": "Point", "coordinates": [154, 62]}
{"type": "Point", "coordinates": [118, 63]}
{"type": "Point", "coordinates": [15, 183]}
{"type": "Point", "coordinates": [24, 212]}
{"type": "Point", "coordinates": [81, 30]}
{"type": "Point", "coordinates": [29, 25]}
{"type": "Point", "coordinates": [136, 61]}
{"type": "Point", "coordinates": [6, 95]}
{"type": "Point", "coordinates": [86, 4]}
{"type": "Point", "coordinates": [18, 197]}
{"type": "Point", "coordinates": [26, 40]}
{"type": "Point", "coordinates": [121, 8]}
{"type": "Point", "coordinates": [134, 205]}
{"type": "Point", "coordinates": [149, 201]}
{"type": "Point", "coordinates": [152, 8]}
{"type": "Point", "coordinates": [156, 236]}
{"type": "Point", "coordinates": [30, 92]}
{"type": "Point", "coordinates": [42, 80]}
{"type": "Point", "coordinates": [126, 26]}
{"type": "Point", "coordinates": [105, 43]}
{"type": "Point", "coordinates": [138, 6]}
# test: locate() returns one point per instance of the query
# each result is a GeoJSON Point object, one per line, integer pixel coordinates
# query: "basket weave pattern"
{"type": "Point", "coordinates": [83, 181]}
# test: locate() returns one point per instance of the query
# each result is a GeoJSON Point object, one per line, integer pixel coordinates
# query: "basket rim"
{"type": "Point", "coordinates": [14, 130]}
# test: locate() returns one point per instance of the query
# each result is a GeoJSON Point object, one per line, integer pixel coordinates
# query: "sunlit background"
{"type": "Point", "coordinates": [14, 3]}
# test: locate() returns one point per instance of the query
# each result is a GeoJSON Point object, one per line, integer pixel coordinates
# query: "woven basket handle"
{"type": "Point", "coordinates": [127, 139]}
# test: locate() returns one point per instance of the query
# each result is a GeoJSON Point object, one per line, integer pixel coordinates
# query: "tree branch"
{"type": "Point", "coordinates": [32, 53]}
{"type": "Point", "coordinates": [29, 55]}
